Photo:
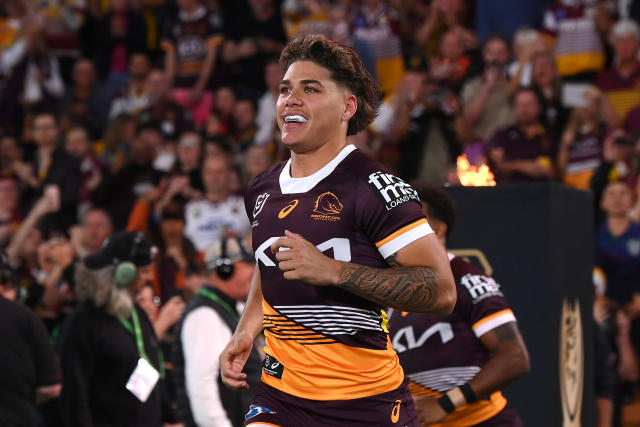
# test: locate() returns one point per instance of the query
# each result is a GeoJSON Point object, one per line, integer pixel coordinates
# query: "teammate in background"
{"type": "Point", "coordinates": [457, 364]}
{"type": "Point", "coordinates": [336, 239]}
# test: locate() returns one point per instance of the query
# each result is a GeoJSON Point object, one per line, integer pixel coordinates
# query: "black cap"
{"type": "Point", "coordinates": [131, 246]}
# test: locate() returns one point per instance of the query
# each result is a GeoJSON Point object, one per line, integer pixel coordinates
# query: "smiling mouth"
{"type": "Point", "coordinates": [295, 118]}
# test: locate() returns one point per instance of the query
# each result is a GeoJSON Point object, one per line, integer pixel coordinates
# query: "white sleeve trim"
{"type": "Point", "coordinates": [404, 239]}
{"type": "Point", "coordinates": [491, 324]}
{"type": "Point", "coordinates": [204, 335]}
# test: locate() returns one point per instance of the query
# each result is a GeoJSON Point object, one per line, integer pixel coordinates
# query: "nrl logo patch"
{"type": "Point", "coordinates": [260, 201]}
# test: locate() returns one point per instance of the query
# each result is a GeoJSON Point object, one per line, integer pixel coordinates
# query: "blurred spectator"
{"type": "Point", "coordinates": [546, 81]}
{"type": "Point", "coordinates": [441, 16]}
{"type": "Point", "coordinates": [527, 150]}
{"type": "Point", "coordinates": [63, 23]}
{"type": "Point", "coordinates": [453, 65]}
{"type": "Point", "coordinates": [618, 248]}
{"type": "Point", "coordinates": [87, 101]}
{"type": "Point", "coordinates": [223, 111]}
{"type": "Point", "coordinates": [163, 319]}
{"type": "Point", "coordinates": [257, 159]}
{"type": "Point", "coordinates": [10, 212]}
{"type": "Point", "coordinates": [377, 23]}
{"type": "Point", "coordinates": [207, 324]}
{"type": "Point", "coordinates": [306, 17]}
{"type": "Point", "coordinates": [189, 162]}
{"type": "Point", "coordinates": [89, 237]}
{"type": "Point", "coordinates": [52, 166]}
{"type": "Point", "coordinates": [578, 48]}
{"type": "Point", "coordinates": [485, 99]}
{"type": "Point", "coordinates": [266, 114]}
{"type": "Point", "coordinates": [218, 214]}
{"type": "Point", "coordinates": [620, 82]}
{"type": "Point", "coordinates": [175, 253]}
{"type": "Point", "coordinates": [29, 372]}
{"type": "Point", "coordinates": [526, 42]}
{"type": "Point", "coordinates": [11, 151]}
{"type": "Point", "coordinates": [420, 119]}
{"type": "Point", "coordinates": [253, 38]}
{"type": "Point", "coordinates": [244, 124]}
{"type": "Point", "coordinates": [118, 193]}
{"type": "Point", "coordinates": [163, 109]}
{"type": "Point", "coordinates": [503, 17]}
{"type": "Point", "coordinates": [77, 144]}
{"type": "Point", "coordinates": [619, 155]}
{"type": "Point", "coordinates": [191, 44]}
{"type": "Point", "coordinates": [117, 35]}
{"type": "Point", "coordinates": [580, 151]}
{"type": "Point", "coordinates": [133, 98]}
{"type": "Point", "coordinates": [107, 328]}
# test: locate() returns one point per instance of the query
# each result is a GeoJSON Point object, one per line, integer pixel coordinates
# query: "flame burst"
{"type": "Point", "coordinates": [474, 176]}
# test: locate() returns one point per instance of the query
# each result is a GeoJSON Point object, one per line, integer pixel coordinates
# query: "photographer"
{"type": "Point", "coordinates": [421, 120]}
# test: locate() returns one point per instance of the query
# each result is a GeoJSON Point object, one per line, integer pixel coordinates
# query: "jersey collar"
{"type": "Point", "coordinates": [289, 185]}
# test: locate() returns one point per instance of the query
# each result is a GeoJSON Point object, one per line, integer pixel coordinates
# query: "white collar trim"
{"type": "Point", "coordinates": [289, 185]}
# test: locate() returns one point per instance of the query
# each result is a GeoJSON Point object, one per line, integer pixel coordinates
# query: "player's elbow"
{"type": "Point", "coordinates": [446, 299]}
{"type": "Point", "coordinates": [520, 361]}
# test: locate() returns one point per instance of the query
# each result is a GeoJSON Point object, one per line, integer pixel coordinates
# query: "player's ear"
{"type": "Point", "coordinates": [350, 107]}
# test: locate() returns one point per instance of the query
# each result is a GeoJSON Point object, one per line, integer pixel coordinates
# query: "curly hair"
{"type": "Point", "coordinates": [440, 205]}
{"type": "Point", "coordinates": [346, 69]}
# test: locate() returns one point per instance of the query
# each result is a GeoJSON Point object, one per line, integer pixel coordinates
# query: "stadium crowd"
{"type": "Point", "coordinates": [153, 115]}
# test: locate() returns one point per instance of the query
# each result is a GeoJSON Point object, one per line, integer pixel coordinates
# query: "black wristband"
{"type": "Point", "coordinates": [446, 403]}
{"type": "Point", "coordinates": [468, 393]}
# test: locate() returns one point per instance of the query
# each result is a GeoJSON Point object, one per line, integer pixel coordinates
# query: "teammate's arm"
{"type": "Point", "coordinates": [509, 360]}
{"type": "Point", "coordinates": [235, 354]}
{"type": "Point", "coordinates": [419, 279]}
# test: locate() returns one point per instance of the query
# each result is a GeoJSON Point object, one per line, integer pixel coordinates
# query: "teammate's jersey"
{"type": "Point", "coordinates": [440, 353]}
{"type": "Point", "coordinates": [324, 343]}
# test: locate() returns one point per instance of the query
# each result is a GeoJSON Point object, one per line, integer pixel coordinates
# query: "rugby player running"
{"type": "Point", "coordinates": [336, 240]}
{"type": "Point", "coordinates": [458, 363]}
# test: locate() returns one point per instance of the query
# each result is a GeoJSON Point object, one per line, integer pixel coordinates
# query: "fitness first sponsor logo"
{"type": "Point", "coordinates": [571, 362]}
{"type": "Point", "coordinates": [391, 190]}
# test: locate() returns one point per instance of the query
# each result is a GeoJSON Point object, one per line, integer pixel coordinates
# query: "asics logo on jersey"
{"type": "Point", "coordinates": [341, 250]}
{"type": "Point", "coordinates": [327, 207]}
{"type": "Point", "coordinates": [391, 190]}
{"type": "Point", "coordinates": [260, 201]}
{"type": "Point", "coordinates": [405, 338]}
{"type": "Point", "coordinates": [287, 209]}
{"type": "Point", "coordinates": [395, 413]}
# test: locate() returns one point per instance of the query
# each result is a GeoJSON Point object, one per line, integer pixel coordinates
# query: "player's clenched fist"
{"type": "Point", "coordinates": [299, 259]}
{"type": "Point", "coordinates": [232, 360]}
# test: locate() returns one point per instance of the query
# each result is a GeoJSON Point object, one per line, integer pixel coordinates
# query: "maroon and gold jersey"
{"type": "Point", "coordinates": [190, 37]}
{"type": "Point", "coordinates": [324, 343]}
{"type": "Point", "coordinates": [440, 353]}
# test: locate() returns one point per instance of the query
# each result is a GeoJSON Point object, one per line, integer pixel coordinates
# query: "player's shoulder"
{"type": "Point", "coordinates": [360, 165]}
{"type": "Point", "coordinates": [474, 283]}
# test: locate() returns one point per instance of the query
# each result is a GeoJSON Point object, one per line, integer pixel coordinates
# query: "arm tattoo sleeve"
{"type": "Point", "coordinates": [405, 288]}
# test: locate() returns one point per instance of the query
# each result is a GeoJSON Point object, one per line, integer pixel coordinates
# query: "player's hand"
{"type": "Point", "coordinates": [299, 259]}
{"type": "Point", "coordinates": [429, 410]}
{"type": "Point", "coordinates": [232, 360]}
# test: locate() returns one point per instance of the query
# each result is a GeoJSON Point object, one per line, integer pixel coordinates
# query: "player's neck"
{"type": "Point", "coordinates": [310, 162]}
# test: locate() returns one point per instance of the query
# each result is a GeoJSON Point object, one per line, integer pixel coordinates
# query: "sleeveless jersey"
{"type": "Point", "coordinates": [440, 353]}
{"type": "Point", "coordinates": [324, 343]}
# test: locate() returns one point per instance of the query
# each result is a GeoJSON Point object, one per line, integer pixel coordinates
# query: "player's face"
{"type": "Point", "coordinates": [310, 107]}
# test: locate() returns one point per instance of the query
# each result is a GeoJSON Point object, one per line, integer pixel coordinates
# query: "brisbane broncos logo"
{"type": "Point", "coordinates": [327, 207]}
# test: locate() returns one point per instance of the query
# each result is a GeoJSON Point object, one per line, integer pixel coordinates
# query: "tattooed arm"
{"type": "Point", "coordinates": [419, 279]}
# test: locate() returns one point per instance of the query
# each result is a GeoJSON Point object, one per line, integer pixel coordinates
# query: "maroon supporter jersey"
{"type": "Point", "coordinates": [324, 343]}
{"type": "Point", "coordinates": [190, 37]}
{"type": "Point", "coordinates": [440, 353]}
